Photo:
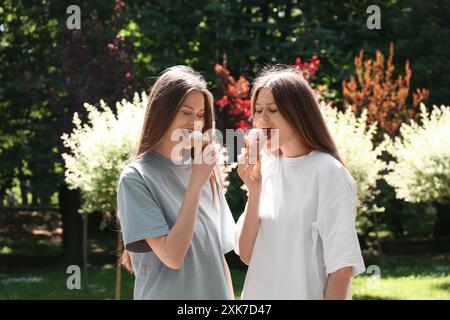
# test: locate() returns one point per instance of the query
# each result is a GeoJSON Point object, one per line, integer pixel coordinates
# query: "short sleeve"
{"type": "Point", "coordinates": [336, 227]}
{"type": "Point", "coordinates": [227, 225]}
{"type": "Point", "coordinates": [139, 214]}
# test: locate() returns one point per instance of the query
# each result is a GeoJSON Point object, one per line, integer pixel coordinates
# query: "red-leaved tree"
{"type": "Point", "coordinates": [385, 98]}
{"type": "Point", "coordinates": [233, 108]}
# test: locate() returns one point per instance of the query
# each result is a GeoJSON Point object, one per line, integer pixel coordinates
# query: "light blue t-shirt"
{"type": "Point", "coordinates": [149, 196]}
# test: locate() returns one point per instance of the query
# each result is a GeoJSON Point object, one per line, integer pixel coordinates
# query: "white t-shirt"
{"type": "Point", "coordinates": [307, 228]}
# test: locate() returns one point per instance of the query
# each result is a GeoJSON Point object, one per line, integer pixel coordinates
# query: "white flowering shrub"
{"type": "Point", "coordinates": [353, 138]}
{"type": "Point", "coordinates": [224, 166]}
{"type": "Point", "coordinates": [421, 172]}
{"type": "Point", "coordinates": [100, 149]}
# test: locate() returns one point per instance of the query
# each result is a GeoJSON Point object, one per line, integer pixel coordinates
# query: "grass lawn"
{"type": "Point", "coordinates": [28, 247]}
{"type": "Point", "coordinates": [408, 277]}
{"type": "Point", "coordinates": [402, 277]}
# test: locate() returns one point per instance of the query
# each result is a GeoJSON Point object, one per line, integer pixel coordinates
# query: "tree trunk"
{"type": "Point", "coordinates": [34, 200]}
{"type": "Point", "coordinates": [23, 192]}
{"type": "Point", "coordinates": [85, 252]}
{"type": "Point", "coordinates": [377, 238]}
{"type": "Point", "coordinates": [72, 223]}
{"type": "Point", "coordinates": [442, 224]}
{"type": "Point", "coordinates": [119, 267]}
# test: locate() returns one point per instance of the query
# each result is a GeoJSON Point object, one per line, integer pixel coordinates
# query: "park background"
{"type": "Point", "coordinates": [384, 93]}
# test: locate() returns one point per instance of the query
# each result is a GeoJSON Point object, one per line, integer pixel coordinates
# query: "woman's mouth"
{"type": "Point", "coordinates": [187, 131]}
{"type": "Point", "coordinates": [261, 133]}
{"type": "Point", "coordinates": [268, 132]}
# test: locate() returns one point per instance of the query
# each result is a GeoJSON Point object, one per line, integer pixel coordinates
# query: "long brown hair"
{"type": "Point", "coordinates": [297, 104]}
{"type": "Point", "coordinates": [164, 101]}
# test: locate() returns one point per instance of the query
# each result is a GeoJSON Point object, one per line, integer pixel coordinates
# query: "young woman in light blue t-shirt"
{"type": "Point", "coordinates": [174, 218]}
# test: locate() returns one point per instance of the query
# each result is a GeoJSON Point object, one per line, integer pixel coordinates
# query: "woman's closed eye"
{"type": "Point", "coordinates": [200, 115]}
{"type": "Point", "coordinates": [271, 110]}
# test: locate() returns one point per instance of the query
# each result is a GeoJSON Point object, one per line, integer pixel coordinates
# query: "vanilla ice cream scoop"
{"type": "Point", "coordinates": [195, 135]}
{"type": "Point", "coordinates": [253, 134]}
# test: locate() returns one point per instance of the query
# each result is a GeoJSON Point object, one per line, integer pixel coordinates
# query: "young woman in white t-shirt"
{"type": "Point", "coordinates": [297, 233]}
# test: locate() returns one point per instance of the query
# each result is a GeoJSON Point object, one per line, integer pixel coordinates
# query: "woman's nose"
{"type": "Point", "coordinates": [265, 114]}
{"type": "Point", "coordinates": [197, 122]}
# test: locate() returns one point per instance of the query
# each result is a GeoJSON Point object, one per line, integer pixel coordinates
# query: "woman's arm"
{"type": "Point", "coordinates": [172, 248]}
{"type": "Point", "coordinates": [339, 284]}
{"type": "Point", "coordinates": [250, 228]}
{"type": "Point", "coordinates": [251, 175]}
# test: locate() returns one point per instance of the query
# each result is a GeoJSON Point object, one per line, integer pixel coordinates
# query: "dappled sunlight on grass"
{"type": "Point", "coordinates": [412, 279]}
{"type": "Point", "coordinates": [52, 284]}
{"type": "Point", "coordinates": [406, 287]}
